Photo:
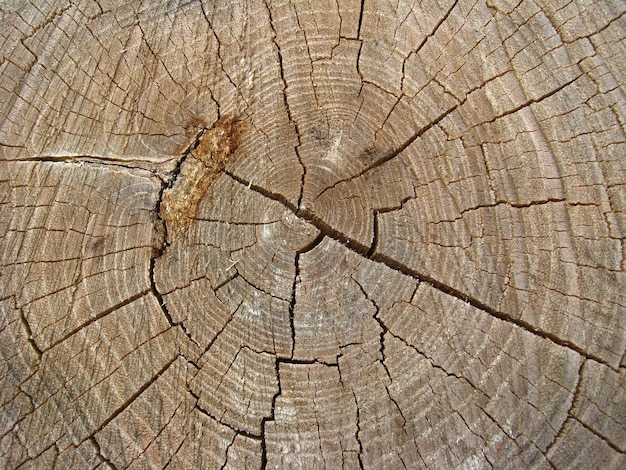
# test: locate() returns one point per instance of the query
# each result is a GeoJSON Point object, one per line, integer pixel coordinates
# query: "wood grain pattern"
{"type": "Point", "coordinates": [295, 234]}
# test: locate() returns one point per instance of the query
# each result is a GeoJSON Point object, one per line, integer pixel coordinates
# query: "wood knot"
{"type": "Point", "coordinates": [207, 160]}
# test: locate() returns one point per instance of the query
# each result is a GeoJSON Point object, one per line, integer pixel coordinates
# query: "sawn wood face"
{"type": "Point", "coordinates": [334, 234]}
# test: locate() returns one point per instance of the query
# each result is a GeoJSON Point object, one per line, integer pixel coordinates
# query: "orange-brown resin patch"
{"type": "Point", "coordinates": [179, 206]}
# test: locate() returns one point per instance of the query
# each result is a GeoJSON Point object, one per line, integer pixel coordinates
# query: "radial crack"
{"type": "Point", "coordinates": [286, 103]}
{"type": "Point", "coordinates": [296, 275]}
{"type": "Point", "coordinates": [358, 33]}
{"type": "Point", "coordinates": [359, 248]}
{"type": "Point", "coordinates": [374, 244]}
{"type": "Point", "coordinates": [99, 316]}
{"type": "Point", "coordinates": [271, 417]}
{"type": "Point", "coordinates": [357, 433]}
{"type": "Point", "coordinates": [292, 304]}
{"type": "Point", "coordinates": [394, 153]}
{"type": "Point", "coordinates": [133, 397]}
{"type": "Point", "coordinates": [604, 438]}
{"type": "Point", "coordinates": [572, 405]}
{"type": "Point", "coordinates": [237, 431]}
{"type": "Point", "coordinates": [101, 456]}
{"type": "Point", "coordinates": [162, 304]}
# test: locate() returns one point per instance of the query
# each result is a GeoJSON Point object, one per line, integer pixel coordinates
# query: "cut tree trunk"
{"type": "Point", "coordinates": [356, 234]}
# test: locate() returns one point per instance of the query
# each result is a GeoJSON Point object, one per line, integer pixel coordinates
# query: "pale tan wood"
{"type": "Point", "coordinates": [297, 234]}
{"type": "Point", "coordinates": [325, 431]}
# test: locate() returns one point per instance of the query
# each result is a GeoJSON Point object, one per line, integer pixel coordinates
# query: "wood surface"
{"type": "Point", "coordinates": [312, 234]}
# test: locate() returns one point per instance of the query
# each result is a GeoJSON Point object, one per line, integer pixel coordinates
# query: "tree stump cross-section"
{"type": "Point", "coordinates": [293, 234]}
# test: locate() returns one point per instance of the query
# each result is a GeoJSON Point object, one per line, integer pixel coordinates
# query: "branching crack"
{"type": "Point", "coordinates": [162, 225]}
{"type": "Point", "coordinates": [169, 183]}
{"type": "Point", "coordinates": [102, 458]}
{"type": "Point", "coordinates": [219, 53]}
{"type": "Point", "coordinates": [272, 414]}
{"type": "Point", "coordinates": [255, 287]}
{"type": "Point", "coordinates": [359, 248]}
{"type": "Point", "coordinates": [230, 444]}
{"type": "Point", "coordinates": [164, 309]}
{"type": "Point", "coordinates": [420, 132]}
{"type": "Point", "coordinates": [375, 229]}
{"type": "Point", "coordinates": [271, 417]}
{"type": "Point", "coordinates": [434, 365]}
{"type": "Point", "coordinates": [572, 405]}
{"type": "Point", "coordinates": [237, 431]}
{"type": "Point", "coordinates": [396, 265]}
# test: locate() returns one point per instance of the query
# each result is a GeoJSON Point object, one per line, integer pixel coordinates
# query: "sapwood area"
{"type": "Point", "coordinates": [312, 234]}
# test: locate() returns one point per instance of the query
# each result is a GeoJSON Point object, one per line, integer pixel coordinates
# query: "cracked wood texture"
{"type": "Point", "coordinates": [295, 234]}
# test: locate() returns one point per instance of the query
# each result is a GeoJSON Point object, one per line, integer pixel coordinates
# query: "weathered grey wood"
{"type": "Point", "coordinates": [355, 234]}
